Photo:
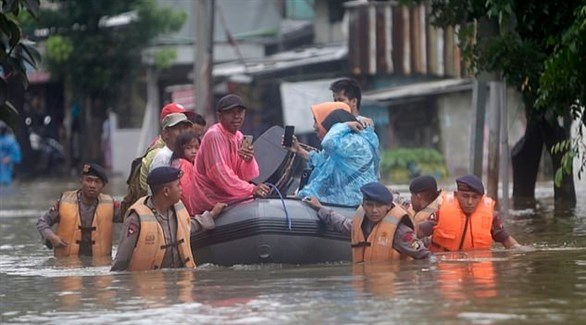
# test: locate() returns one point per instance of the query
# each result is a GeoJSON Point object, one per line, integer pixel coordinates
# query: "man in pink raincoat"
{"type": "Point", "coordinates": [223, 166]}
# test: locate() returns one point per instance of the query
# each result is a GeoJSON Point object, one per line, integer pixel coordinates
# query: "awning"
{"type": "Point", "coordinates": [418, 89]}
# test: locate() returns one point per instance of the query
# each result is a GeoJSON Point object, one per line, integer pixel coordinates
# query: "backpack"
{"type": "Point", "coordinates": [134, 190]}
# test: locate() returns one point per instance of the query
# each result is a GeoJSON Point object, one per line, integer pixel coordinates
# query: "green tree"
{"type": "Point", "coordinates": [527, 43]}
{"type": "Point", "coordinates": [15, 53]}
{"type": "Point", "coordinates": [94, 57]}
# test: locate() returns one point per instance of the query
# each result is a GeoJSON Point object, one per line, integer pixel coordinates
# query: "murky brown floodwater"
{"type": "Point", "coordinates": [545, 285]}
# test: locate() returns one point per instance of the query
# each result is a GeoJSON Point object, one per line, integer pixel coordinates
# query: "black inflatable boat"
{"type": "Point", "coordinates": [272, 230]}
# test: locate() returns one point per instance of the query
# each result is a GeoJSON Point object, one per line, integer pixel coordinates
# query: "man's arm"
{"type": "Point", "coordinates": [128, 239]}
{"type": "Point", "coordinates": [44, 224]}
{"type": "Point", "coordinates": [335, 221]}
{"type": "Point", "coordinates": [407, 243]}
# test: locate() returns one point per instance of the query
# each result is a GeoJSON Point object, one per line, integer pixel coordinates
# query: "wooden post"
{"type": "Point", "coordinates": [478, 120]}
{"type": "Point", "coordinates": [204, 53]}
{"type": "Point", "coordinates": [493, 141]}
{"type": "Point", "coordinates": [504, 153]}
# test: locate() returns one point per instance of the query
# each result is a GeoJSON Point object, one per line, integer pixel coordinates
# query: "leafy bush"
{"type": "Point", "coordinates": [402, 164]}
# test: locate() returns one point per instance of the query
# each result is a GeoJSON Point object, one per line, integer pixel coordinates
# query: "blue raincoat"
{"type": "Point", "coordinates": [9, 155]}
{"type": "Point", "coordinates": [348, 161]}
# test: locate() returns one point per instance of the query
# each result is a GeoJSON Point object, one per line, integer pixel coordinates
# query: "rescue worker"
{"type": "Point", "coordinates": [85, 217]}
{"type": "Point", "coordinates": [380, 230]}
{"type": "Point", "coordinates": [466, 220]}
{"type": "Point", "coordinates": [157, 228]}
{"type": "Point", "coordinates": [425, 200]}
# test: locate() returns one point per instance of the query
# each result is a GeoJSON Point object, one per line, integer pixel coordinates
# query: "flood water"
{"type": "Point", "coordinates": [544, 285]}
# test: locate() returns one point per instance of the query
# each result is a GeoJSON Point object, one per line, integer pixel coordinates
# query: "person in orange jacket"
{"type": "Point", "coordinates": [380, 230]}
{"type": "Point", "coordinates": [466, 220]}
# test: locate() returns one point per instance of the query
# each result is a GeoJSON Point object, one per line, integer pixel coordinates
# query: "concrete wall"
{"type": "Point", "coordinates": [123, 145]}
{"type": "Point", "coordinates": [455, 118]}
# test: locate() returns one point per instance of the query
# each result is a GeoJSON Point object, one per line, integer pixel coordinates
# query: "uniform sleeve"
{"type": "Point", "coordinates": [128, 239]}
{"type": "Point", "coordinates": [46, 221]}
{"type": "Point", "coordinates": [498, 231]}
{"type": "Point", "coordinates": [202, 222]}
{"type": "Point", "coordinates": [426, 227]}
{"type": "Point", "coordinates": [335, 221]}
{"type": "Point", "coordinates": [407, 243]}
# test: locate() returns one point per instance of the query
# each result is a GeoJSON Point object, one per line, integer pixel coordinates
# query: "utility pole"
{"type": "Point", "coordinates": [203, 62]}
{"type": "Point", "coordinates": [478, 120]}
{"type": "Point", "coordinates": [493, 140]}
{"type": "Point", "coordinates": [504, 149]}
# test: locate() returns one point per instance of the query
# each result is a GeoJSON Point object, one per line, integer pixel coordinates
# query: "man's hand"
{"type": "Point", "coordinates": [313, 202]}
{"type": "Point", "coordinates": [217, 209]}
{"type": "Point", "coordinates": [56, 241]}
{"type": "Point", "coordinates": [366, 122]}
{"type": "Point", "coordinates": [261, 190]}
{"type": "Point", "coordinates": [294, 148]}
{"type": "Point", "coordinates": [247, 153]}
{"type": "Point", "coordinates": [355, 126]}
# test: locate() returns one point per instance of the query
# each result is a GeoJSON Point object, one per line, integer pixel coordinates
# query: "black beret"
{"type": "Point", "coordinates": [95, 170]}
{"type": "Point", "coordinates": [376, 192]}
{"type": "Point", "coordinates": [423, 184]}
{"type": "Point", "coordinates": [163, 175]}
{"type": "Point", "coordinates": [470, 183]}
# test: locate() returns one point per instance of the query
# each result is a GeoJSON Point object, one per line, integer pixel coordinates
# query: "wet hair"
{"type": "Point", "coordinates": [337, 116]}
{"type": "Point", "coordinates": [182, 140]}
{"type": "Point", "coordinates": [350, 87]}
{"type": "Point", "coordinates": [197, 119]}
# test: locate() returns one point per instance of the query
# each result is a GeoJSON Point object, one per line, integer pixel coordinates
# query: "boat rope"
{"type": "Point", "coordinates": [283, 202]}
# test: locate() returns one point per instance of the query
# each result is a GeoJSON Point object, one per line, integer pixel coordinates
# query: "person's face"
{"type": "Point", "coordinates": [173, 191]}
{"type": "Point", "coordinates": [417, 202]}
{"type": "Point", "coordinates": [171, 133]}
{"type": "Point", "coordinates": [232, 119]}
{"type": "Point", "coordinates": [91, 186]}
{"type": "Point", "coordinates": [340, 96]}
{"type": "Point", "coordinates": [375, 211]}
{"type": "Point", "coordinates": [468, 200]}
{"type": "Point", "coordinates": [320, 132]}
{"type": "Point", "coordinates": [190, 150]}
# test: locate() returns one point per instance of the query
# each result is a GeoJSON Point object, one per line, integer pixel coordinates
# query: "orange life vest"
{"type": "Point", "coordinates": [379, 244]}
{"type": "Point", "coordinates": [423, 215]}
{"type": "Point", "coordinates": [150, 247]}
{"type": "Point", "coordinates": [455, 231]}
{"type": "Point", "coordinates": [70, 229]}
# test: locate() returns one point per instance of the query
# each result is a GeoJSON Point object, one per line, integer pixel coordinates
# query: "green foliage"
{"type": "Point", "coordinates": [572, 149]}
{"type": "Point", "coordinates": [401, 164]}
{"type": "Point", "coordinates": [164, 58]}
{"type": "Point", "coordinates": [58, 49]}
{"type": "Point", "coordinates": [15, 53]}
{"type": "Point", "coordinates": [96, 58]}
{"type": "Point", "coordinates": [539, 46]}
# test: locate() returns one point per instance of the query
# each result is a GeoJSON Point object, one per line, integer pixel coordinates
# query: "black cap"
{"type": "Point", "coordinates": [229, 102]}
{"type": "Point", "coordinates": [95, 170]}
{"type": "Point", "coordinates": [470, 183]}
{"type": "Point", "coordinates": [163, 175]}
{"type": "Point", "coordinates": [423, 184]}
{"type": "Point", "coordinates": [376, 192]}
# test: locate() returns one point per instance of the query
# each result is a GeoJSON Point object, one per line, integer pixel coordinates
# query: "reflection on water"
{"type": "Point", "coordinates": [545, 285]}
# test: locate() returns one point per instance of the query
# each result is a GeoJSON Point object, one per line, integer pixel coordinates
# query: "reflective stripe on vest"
{"type": "Point", "coordinates": [70, 229]}
{"type": "Point", "coordinates": [379, 244]}
{"type": "Point", "coordinates": [453, 227]}
{"type": "Point", "coordinates": [150, 247]}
